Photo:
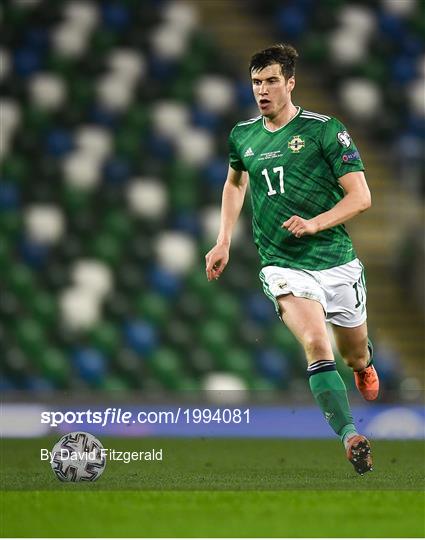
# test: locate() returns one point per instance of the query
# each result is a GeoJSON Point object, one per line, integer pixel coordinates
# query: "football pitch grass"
{"type": "Point", "coordinates": [218, 487]}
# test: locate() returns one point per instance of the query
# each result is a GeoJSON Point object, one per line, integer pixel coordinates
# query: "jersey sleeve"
{"type": "Point", "coordinates": [234, 157]}
{"type": "Point", "coordinates": [339, 149]}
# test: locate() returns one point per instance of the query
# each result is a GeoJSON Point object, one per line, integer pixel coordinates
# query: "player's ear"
{"type": "Point", "coordinates": [291, 84]}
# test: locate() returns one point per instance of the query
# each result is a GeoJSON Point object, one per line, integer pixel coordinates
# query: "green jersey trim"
{"type": "Point", "coordinates": [314, 116]}
{"type": "Point", "coordinates": [250, 121]}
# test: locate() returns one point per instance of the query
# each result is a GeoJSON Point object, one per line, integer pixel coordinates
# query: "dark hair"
{"type": "Point", "coordinates": [283, 54]}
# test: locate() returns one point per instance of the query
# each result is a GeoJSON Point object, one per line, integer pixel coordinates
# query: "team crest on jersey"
{"type": "Point", "coordinates": [296, 144]}
{"type": "Point", "coordinates": [344, 139]}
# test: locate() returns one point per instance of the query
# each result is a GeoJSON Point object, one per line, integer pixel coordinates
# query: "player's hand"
{"type": "Point", "coordinates": [216, 260]}
{"type": "Point", "coordinates": [300, 227]}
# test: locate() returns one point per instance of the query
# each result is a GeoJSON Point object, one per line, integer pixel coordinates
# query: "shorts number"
{"type": "Point", "coordinates": [359, 290]}
{"type": "Point", "coordinates": [271, 190]}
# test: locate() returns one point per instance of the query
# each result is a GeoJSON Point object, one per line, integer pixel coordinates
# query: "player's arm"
{"type": "Point", "coordinates": [356, 199]}
{"type": "Point", "coordinates": [231, 204]}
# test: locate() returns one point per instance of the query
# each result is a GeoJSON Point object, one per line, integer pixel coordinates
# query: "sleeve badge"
{"type": "Point", "coordinates": [344, 139]}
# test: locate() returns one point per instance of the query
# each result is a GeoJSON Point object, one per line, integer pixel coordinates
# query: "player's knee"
{"type": "Point", "coordinates": [316, 346]}
{"type": "Point", "coordinates": [356, 358]}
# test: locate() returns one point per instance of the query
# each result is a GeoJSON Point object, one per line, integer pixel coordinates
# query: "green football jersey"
{"type": "Point", "coordinates": [294, 171]}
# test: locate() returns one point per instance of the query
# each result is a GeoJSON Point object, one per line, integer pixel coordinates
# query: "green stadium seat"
{"type": "Point", "coordinates": [201, 360]}
{"type": "Point", "coordinates": [128, 143]}
{"type": "Point", "coordinates": [192, 68]}
{"type": "Point", "coordinates": [191, 306]}
{"type": "Point", "coordinates": [165, 365]}
{"type": "Point", "coordinates": [114, 383]}
{"type": "Point", "coordinates": [83, 223]}
{"type": "Point", "coordinates": [152, 386]}
{"type": "Point", "coordinates": [16, 168]}
{"type": "Point", "coordinates": [10, 309]}
{"type": "Point", "coordinates": [15, 15]}
{"type": "Point", "coordinates": [316, 48]}
{"type": "Point", "coordinates": [178, 334]}
{"type": "Point", "coordinates": [55, 366]}
{"type": "Point", "coordinates": [251, 334]}
{"type": "Point", "coordinates": [184, 184]}
{"type": "Point", "coordinates": [333, 6]}
{"type": "Point", "coordinates": [61, 65]}
{"type": "Point", "coordinates": [118, 224]}
{"type": "Point", "coordinates": [237, 361]}
{"type": "Point", "coordinates": [5, 257]}
{"type": "Point", "coordinates": [106, 337]}
{"type": "Point", "coordinates": [183, 197]}
{"type": "Point", "coordinates": [203, 46]}
{"type": "Point", "coordinates": [225, 307]}
{"type": "Point", "coordinates": [418, 23]}
{"type": "Point", "coordinates": [37, 120]}
{"type": "Point", "coordinates": [56, 276]}
{"type": "Point", "coordinates": [140, 246]}
{"type": "Point", "coordinates": [43, 307]}
{"type": "Point", "coordinates": [102, 42]}
{"type": "Point", "coordinates": [10, 224]}
{"type": "Point", "coordinates": [152, 307]}
{"type": "Point", "coordinates": [375, 69]}
{"type": "Point", "coordinates": [75, 200]}
{"type": "Point", "coordinates": [182, 88]}
{"type": "Point", "coordinates": [188, 385]}
{"type": "Point", "coordinates": [107, 248]}
{"type": "Point", "coordinates": [130, 279]}
{"type": "Point", "coordinates": [81, 92]}
{"type": "Point", "coordinates": [214, 335]}
{"type": "Point", "coordinates": [131, 367]}
{"type": "Point", "coordinates": [21, 281]}
{"type": "Point", "coordinates": [263, 389]}
{"type": "Point", "coordinates": [30, 337]}
{"type": "Point", "coordinates": [197, 283]}
{"type": "Point", "coordinates": [182, 174]}
{"type": "Point", "coordinates": [137, 119]}
{"type": "Point", "coordinates": [16, 363]}
{"type": "Point", "coordinates": [118, 306]}
{"type": "Point", "coordinates": [72, 246]}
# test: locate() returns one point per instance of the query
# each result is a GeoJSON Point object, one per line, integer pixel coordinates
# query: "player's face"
{"type": "Point", "coordinates": [272, 91]}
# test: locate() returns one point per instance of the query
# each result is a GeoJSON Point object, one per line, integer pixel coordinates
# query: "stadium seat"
{"type": "Point", "coordinates": [274, 366]}
{"type": "Point", "coordinates": [55, 367]}
{"type": "Point", "coordinates": [90, 364]}
{"type": "Point", "coordinates": [152, 307]}
{"type": "Point", "coordinates": [43, 308]}
{"type": "Point", "coordinates": [106, 338]}
{"type": "Point", "coordinates": [30, 337]}
{"type": "Point", "coordinates": [214, 335]}
{"type": "Point", "coordinates": [166, 365]}
{"type": "Point", "coordinates": [140, 336]}
{"type": "Point", "coordinates": [238, 361]}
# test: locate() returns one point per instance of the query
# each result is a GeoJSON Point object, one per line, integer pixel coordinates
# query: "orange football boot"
{"type": "Point", "coordinates": [367, 382]}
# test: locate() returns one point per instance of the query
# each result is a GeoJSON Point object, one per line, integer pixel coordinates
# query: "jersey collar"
{"type": "Point", "coordinates": [284, 125]}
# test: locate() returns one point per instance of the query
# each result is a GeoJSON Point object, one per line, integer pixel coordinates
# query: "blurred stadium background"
{"type": "Point", "coordinates": [114, 122]}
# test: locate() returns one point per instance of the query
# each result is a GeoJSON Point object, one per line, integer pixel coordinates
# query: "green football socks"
{"type": "Point", "coordinates": [330, 393]}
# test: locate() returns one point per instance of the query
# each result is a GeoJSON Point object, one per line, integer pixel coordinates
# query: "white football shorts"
{"type": "Point", "coordinates": [340, 290]}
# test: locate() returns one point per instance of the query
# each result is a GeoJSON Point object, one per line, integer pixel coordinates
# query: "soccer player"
{"type": "Point", "coordinates": [306, 180]}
